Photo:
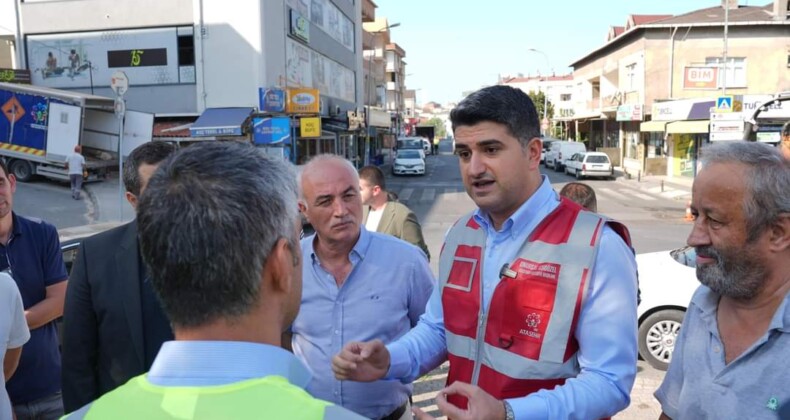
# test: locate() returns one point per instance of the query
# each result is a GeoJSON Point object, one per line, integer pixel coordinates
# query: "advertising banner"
{"type": "Point", "coordinates": [303, 101]}
{"type": "Point", "coordinates": [275, 130]}
{"type": "Point", "coordinates": [271, 99]}
{"type": "Point", "coordinates": [310, 127]}
{"type": "Point", "coordinates": [700, 77]}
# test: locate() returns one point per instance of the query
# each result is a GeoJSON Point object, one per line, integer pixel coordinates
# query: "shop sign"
{"type": "Point", "coordinates": [700, 77]}
{"type": "Point", "coordinates": [271, 99]}
{"type": "Point", "coordinates": [685, 109]}
{"type": "Point", "coordinates": [630, 112]}
{"type": "Point", "coordinates": [300, 26]}
{"type": "Point", "coordinates": [310, 127]}
{"type": "Point", "coordinates": [303, 101]}
{"type": "Point", "coordinates": [378, 118]}
{"type": "Point", "coordinates": [777, 110]}
{"type": "Point", "coordinates": [726, 130]}
{"type": "Point", "coordinates": [274, 130]}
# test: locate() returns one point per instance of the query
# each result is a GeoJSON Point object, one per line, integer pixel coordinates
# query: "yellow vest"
{"type": "Point", "coordinates": [271, 397]}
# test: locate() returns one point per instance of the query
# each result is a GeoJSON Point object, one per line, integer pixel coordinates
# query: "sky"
{"type": "Point", "coordinates": [454, 46]}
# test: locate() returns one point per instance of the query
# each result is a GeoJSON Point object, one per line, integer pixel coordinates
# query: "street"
{"type": "Point", "coordinates": [438, 198]}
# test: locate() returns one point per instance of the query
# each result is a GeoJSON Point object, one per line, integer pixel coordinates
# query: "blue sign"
{"type": "Point", "coordinates": [724, 103]}
{"type": "Point", "coordinates": [275, 130]}
{"type": "Point", "coordinates": [271, 99]}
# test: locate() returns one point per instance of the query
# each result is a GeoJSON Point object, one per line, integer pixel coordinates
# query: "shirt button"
{"type": "Point", "coordinates": [716, 349]}
{"type": "Point", "coordinates": [337, 332]}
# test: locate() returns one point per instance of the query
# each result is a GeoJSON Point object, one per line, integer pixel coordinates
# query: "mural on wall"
{"type": "Point", "coordinates": [685, 155]}
{"type": "Point", "coordinates": [307, 68]}
{"type": "Point", "coordinates": [85, 59]}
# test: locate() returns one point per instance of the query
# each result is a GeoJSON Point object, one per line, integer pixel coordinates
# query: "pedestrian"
{"type": "Point", "coordinates": [13, 335]}
{"type": "Point", "coordinates": [730, 358]}
{"type": "Point", "coordinates": [358, 285]}
{"type": "Point", "coordinates": [30, 254]}
{"type": "Point", "coordinates": [75, 164]}
{"type": "Point", "coordinates": [218, 231]}
{"type": "Point", "coordinates": [380, 214]}
{"type": "Point", "coordinates": [536, 305]}
{"type": "Point", "coordinates": [113, 324]}
{"type": "Point", "coordinates": [581, 194]}
{"type": "Point", "coordinates": [436, 145]}
{"type": "Point", "coordinates": [784, 146]}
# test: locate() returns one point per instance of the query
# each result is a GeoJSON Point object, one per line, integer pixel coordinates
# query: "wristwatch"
{"type": "Point", "coordinates": [509, 415]}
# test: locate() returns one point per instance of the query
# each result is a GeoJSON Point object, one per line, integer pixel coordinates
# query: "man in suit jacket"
{"type": "Point", "coordinates": [113, 323]}
{"type": "Point", "coordinates": [384, 216]}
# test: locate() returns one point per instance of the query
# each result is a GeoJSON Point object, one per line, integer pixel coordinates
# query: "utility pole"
{"type": "Point", "coordinates": [726, 27]}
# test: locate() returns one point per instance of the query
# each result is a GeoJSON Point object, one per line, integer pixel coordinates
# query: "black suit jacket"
{"type": "Point", "coordinates": [102, 319]}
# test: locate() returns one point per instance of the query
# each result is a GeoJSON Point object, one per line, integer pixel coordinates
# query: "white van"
{"type": "Point", "coordinates": [561, 150]}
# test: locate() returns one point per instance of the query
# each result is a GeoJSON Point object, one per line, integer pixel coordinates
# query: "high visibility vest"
{"type": "Point", "coordinates": [525, 341]}
{"type": "Point", "coordinates": [271, 397]}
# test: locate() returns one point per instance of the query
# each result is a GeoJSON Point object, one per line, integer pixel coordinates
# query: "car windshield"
{"type": "Point", "coordinates": [597, 159]}
{"type": "Point", "coordinates": [408, 154]}
{"type": "Point", "coordinates": [686, 256]}
{"type": "Point", "coordinates": [410, 144]}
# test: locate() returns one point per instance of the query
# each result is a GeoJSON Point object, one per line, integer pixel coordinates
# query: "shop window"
{"type": "Point", "coordinates": [656, 145]}
{"type": "Point", "coordinates": [632, 145]}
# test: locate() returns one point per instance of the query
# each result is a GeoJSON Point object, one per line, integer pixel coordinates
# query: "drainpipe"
{"type": "Point", "coordinates": [672, 60]}
{"type": "Point", "coordinates": [19, 42]}
{"type": "Point", "coordinates": [200, 70]}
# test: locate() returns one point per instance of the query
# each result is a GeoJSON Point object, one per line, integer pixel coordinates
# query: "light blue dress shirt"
{"type": "Point", "coordinates": [606, 331]}
{"type": "Point", "coordinates": [383, 297]}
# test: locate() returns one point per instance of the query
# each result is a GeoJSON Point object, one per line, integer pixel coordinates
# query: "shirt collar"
{"type": "Point", "coordinates": [519, 220]}
{"type": "Point", "coordinates": [237, 360]}
{"type": "Point", "coordinates": [708, 302]}
{"type": "Point", "coordinates": [357, 252]}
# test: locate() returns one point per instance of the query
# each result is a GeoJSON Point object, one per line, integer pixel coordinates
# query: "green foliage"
{"type": "Point", "coordinates": [439, 130]}
{"type": "Point", "coordinates": [538, 98]}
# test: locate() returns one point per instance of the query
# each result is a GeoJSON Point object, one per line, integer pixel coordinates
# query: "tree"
{"type": "Point", "coordinates": [439, 130]}
{"type": "Point", "coordinates": [538, 98]}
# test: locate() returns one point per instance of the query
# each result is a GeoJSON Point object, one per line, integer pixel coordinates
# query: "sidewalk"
{"type": "Point", "coordinates": [674, 188]}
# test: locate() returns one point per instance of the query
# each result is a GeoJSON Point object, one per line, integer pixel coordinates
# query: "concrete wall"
{"type": "Point", "coordinates": [85, 15]}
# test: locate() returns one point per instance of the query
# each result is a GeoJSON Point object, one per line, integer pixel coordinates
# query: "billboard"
{"type": "Point", "coordinates": [276, 130]}
{"type": "Point", "coordinates": [85, 59]}
{"type": "Point", "coordinates": [700, 77]}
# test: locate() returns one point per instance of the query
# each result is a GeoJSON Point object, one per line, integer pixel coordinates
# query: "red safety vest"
{"type": "Point", "coordinates": [525, 341]}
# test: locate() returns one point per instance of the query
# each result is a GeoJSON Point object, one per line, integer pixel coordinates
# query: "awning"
{"type": "Point", "coordinates": [220, 122]}
{"type": "Point", "coordinates": [653, 126]}
{"type": "Point", "coordinates": [688, 127]}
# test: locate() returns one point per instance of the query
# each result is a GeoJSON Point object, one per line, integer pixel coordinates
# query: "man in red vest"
{"type": "Point", "coordinates": [536, 309]}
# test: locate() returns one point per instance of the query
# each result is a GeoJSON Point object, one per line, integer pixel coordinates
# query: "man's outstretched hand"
{"type": "Point", "coordinates": [361, 362]}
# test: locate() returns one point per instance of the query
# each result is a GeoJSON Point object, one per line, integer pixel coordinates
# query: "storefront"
{"type": "Point", "coordinates": [632, 150]}
{"type": "Point", "coordinates": [379, 127]}
{"type": "Point", "coordinates": [686, 127]}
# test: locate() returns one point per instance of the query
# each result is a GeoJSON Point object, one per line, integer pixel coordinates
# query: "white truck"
{"type": "Point", "coordinates": [40, 126]}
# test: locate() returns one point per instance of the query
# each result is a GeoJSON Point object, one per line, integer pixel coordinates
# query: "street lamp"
{"type": "Point", "coordinates": [545, 93]}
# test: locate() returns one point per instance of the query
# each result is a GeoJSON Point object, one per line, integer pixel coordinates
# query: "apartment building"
{"type": "Point", "coordinates": [647, 93]}
{"type": "Point", "coordinates": [184, 58]}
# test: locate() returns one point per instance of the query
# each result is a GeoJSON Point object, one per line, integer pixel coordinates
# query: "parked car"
{"type": "Point", "coordinates": [667, 281]}
{"type": "Point", "coordinates": [545, 148]}
{"type": "Point", "coordinates": [426, 146]}
{"type": "Point", "coordinates": [409, 161]}
{"type": "Point", "coordinates": [561, 150]}
{"type": "Point", "coordinates": [411, 143]}
{"type": "Point", "coordinates": [589, 164]}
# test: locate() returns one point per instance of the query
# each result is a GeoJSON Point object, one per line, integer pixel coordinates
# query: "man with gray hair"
{"type": "Point", "coordinates": [730, 359]}
{"type": "Point", "coordinates": [358, 285]}
{"type": "Point", "coordinates": [218, 231]}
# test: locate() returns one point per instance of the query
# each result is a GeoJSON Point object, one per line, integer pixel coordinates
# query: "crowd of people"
{"type": "Point", "coordinates": [208, 305]}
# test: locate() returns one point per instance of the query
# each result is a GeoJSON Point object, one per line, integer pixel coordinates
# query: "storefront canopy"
{"type": "Point", "coordinates": [688, 127]}
{"type": "Point", "coordinates": [653, 126]}
{"type": "Point", "coordinates": [220, 122]}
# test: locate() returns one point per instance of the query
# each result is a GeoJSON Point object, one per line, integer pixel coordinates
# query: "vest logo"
{"type": "Point", "coordinates": [533, 322]}
{"type": "Point", "coordinates": [545, 271]}
{"type": "Point", "coordinates": [773, 404]}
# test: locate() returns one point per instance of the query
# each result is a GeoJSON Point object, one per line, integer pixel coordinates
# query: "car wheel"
{"type": "Point", "coordinates": [22, 170]}
{"type": "Point", "coordinates": [557, 167]}
{"type": "Point", "coordinates": [658, 334]}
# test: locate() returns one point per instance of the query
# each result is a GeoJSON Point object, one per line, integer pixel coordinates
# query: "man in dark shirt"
{"type": "Point", "coordinates": [30, 253]}
{"type": "Point", "coordinates": [113, 324]}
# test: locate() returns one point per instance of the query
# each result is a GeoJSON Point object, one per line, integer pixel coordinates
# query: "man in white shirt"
{"type": "Point", "coordinates": [75, 163]}
{"type": "Point", "coordinates": [13, 334]}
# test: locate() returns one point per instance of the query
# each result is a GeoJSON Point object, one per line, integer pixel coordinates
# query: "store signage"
{"type": "Point", "coordinates": [303, 101]}
{"type": "Point", "coordinates": [275, 130]}
{"type": "Point", "coordinates": [271, 99]}
{"type": "Point", "coordinates": [300, 26]}
{"type": "Point", "coordinates": [310, 127]}
{"type": "Point", "coordinates": [700, 77]}
{"type": "Point", "coordinates": [630, 112]}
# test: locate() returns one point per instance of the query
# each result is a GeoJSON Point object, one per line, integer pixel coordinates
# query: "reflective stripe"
{"type": "Point", "coordinates": [460, 234]}
{"type": "Point", "coordinates": [508, 363]}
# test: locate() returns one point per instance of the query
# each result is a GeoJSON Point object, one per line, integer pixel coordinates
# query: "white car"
{"type": "Point", "coordinates": [426, 146]}
{"type": "Point", "coordinates": [667, 281]}
{"type": "Point", "coordinates": [409, 161]}
{"type": "Point", "coordinates": [589, 164]}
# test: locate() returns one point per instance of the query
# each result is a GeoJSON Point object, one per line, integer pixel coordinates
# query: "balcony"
{"type": "Point", "coordinates": [368, 11]}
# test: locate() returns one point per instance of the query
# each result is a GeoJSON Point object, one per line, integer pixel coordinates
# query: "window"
{"type": "Point", "coordinates": [630, 77]}
{"type": "Point", "coordinates": [734, 74]}
{"type": "Point", "coordinates": [186, 50]}
{"type": "Point", "coordinates": [565, 97]}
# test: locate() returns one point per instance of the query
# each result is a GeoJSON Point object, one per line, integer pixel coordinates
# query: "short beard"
{"type": "Point", "coordinates": [737, 274]}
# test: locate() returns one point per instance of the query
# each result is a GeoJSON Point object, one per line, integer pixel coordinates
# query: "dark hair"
{"type": "Point", "coordinates": [209, 218]}
{"type": "Point", "coordinates": [500, 104]}
{"type": "Point", "coordinates": [4, 167]}
{"type": "Point", "coordinates": [581, 194]}
{"type": "Point", "coordinates": [373, 175]}
{"type": "Point", "coordinates": [786, 129]}
{"type": "Point", "coordinates": [150, 153]}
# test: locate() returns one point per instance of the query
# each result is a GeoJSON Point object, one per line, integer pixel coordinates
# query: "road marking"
{"type": "Point", "coordinates": [405, 194]}
{"type": "Point", "coordinates": [675, 193]}
{"type": "Point", "coordinates": [612, 193]}
{"type": "Point", "coordinates": [428, 194]}
{"type": "Point", "coordinates": [638, 194]}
